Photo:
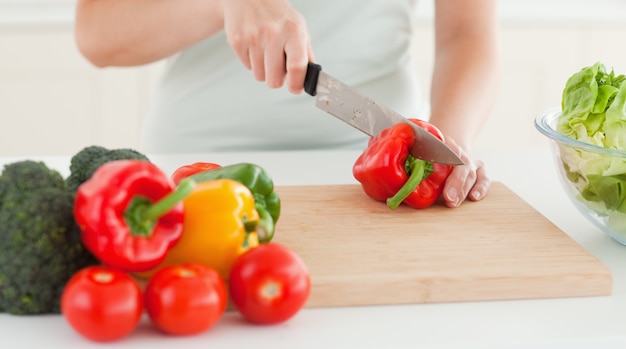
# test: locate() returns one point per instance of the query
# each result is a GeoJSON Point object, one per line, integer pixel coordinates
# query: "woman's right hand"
{"type": "Point", "coordinates": [270, 38]}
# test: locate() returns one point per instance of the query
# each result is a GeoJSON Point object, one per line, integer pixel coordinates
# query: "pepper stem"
{"type": "Point", "coordinates": [162, 206]}
{"type": "Point", "coordinates": [416, 169]}
{"type": "Point", "coordinates": [265, 227]}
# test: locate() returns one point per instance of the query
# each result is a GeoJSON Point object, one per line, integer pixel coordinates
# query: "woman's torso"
{"type": "Point", "coordinates": [207, 100]}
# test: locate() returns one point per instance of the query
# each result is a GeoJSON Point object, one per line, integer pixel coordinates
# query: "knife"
{"type": "Point", "coordinates": [370, 117]}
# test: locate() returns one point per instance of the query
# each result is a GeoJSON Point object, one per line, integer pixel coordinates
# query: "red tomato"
{"type": "Point", "coordinates": [185, 299]}
{"type": "Point", "coordinates": [102, 304]}
{"type": "Point", "coordinates": [188, 170]}
{"type": "Point", "coordinates": [269, 283]}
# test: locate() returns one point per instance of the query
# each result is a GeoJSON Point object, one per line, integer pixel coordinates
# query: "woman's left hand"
{"type": "Point", "coordinates": [469, 181]}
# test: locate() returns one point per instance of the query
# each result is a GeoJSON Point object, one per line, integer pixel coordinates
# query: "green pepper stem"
{"type": "Point", "coordinates": [162, 206]}
{"type": "Point", "coordinates": [416, 171]}
{"type": "Point", "coordinates": [265, 228]}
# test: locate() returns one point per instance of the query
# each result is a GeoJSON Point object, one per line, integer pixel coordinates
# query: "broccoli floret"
{"type": "Point", "coordinates": [86, 162]}
{"type": "Point", "coordinates": [39, 239]}
{"type": "Point", "coordinates": [38, 176]}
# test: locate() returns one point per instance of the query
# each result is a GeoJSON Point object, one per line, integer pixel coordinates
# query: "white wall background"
{"type": "Point", "coordinates": [52, 102]}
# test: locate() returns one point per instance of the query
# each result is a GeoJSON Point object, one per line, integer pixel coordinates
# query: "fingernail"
{"type": "Point", "coordinates": [452, 195]}
{"type": "Point", "coordinates": [476, 195]}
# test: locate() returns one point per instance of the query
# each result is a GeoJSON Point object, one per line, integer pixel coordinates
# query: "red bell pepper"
{"type": "Point", "coordinates": [191, 169]}
{"type": "Point", "coordinates": [129, 214]}
{"type": "Point", "coordinates": [388, 172]}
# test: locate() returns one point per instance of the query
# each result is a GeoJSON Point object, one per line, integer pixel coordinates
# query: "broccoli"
{"type": "Point", "coordinates": [39, 239]}
{"type": "Point", "coordinates": [86, 162]}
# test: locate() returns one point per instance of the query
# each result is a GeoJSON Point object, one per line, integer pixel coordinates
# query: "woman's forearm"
{"type": "Point", "coordinates": [136, 32]}
{"type": "Point", "coordinates": [466, 71]}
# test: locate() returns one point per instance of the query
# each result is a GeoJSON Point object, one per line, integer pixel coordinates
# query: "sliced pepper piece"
{"type": "Point", "coordinates": [129, 214]}
{"type": "Point", "coordinates": [219, 224]}
{"type": "Point", "coordinates": [259, 182]}
{"type": "Point", "coordinates": [389, 173]}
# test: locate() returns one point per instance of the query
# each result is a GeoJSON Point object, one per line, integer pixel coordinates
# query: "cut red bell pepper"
{"type": "Point", "coordinates": [388, 172]}
{"type": "Point", "coordinates": [129, 214]}
{"type": "Point", "coordinates": [191, 169]}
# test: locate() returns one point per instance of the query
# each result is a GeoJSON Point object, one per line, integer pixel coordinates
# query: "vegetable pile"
{"type": "Point", "coordinates": [594, 111]}
{"type": "Point", "coordinates": [119, 237]}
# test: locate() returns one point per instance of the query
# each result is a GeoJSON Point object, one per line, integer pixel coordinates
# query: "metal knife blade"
{"type": "Point", "coordinates": [370, 117]}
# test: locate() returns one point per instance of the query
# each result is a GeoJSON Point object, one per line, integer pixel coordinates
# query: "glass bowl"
{"type": "Point", "coordinates": [594, 177]}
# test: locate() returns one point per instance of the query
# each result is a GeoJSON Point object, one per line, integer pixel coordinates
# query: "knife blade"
{"type": "Point", "coordinates": [370, 117]}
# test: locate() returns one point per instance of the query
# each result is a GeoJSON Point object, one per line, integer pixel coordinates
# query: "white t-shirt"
{"type": "Point", "coordinates": [207, 101]}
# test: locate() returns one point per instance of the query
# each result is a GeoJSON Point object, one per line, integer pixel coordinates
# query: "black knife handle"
{"type": "Point", "coordinates": [310, 81]}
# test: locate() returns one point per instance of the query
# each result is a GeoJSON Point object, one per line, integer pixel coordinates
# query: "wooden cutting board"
{"type": "Point", "coordinates": [359, 252]}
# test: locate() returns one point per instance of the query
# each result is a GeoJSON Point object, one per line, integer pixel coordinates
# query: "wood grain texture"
{"type": "Point", "coordinates": [359, 252]}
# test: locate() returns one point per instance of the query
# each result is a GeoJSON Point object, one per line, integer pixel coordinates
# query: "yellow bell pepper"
{"type": "Point", "coordinates": [218, 216]}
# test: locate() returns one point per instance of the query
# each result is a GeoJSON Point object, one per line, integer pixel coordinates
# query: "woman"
{"type": "Point", "coordinates": [236, 70]}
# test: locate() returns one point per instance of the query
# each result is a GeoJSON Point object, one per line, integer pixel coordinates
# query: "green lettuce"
{"type": "Point", "coordinates": [594, 111]}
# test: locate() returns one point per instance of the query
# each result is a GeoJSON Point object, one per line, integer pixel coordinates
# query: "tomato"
{"type": "Point", "coordinates": [102, 304]}
{"type": "Point", "coordinates": [269, 284]}
{"type": "Point", "coordinates": [188, 170]}
{"type": "Point", "coordinates": [185, 299]}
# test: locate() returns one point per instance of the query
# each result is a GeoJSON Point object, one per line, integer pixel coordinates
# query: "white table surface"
{"type": "Point", "coordinates": [587, 322]}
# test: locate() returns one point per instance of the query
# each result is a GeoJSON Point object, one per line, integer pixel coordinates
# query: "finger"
{"type": "Point", "coordinates": [244, 56]}
{"type": "Point", "coordinates": [275, 64]}
{"type": "Point", "coordinates": [257, 62]}
{"type": "Point", "coordinates": [456, 188]}
{"type": "Point", "coordinates": [460, 180]}
{"type": "Point", "coordinates": [239, 46]}
{"type": "Point", "coordinates": [483, 182]}
{"type": "Point", "coordinates": [311, 57]}
{"type": "Point", "coordinates": [298, 52]}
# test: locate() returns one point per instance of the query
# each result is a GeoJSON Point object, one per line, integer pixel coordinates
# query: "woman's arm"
{"type": "Point", "coordinates": [269, 36]}
{"type": "Point", "coordinates": [136, 32]}
{"type": "Point", "coordinates": [464, 85]}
